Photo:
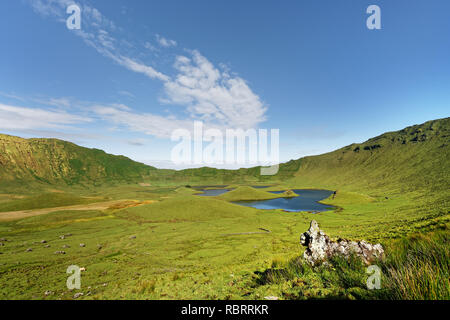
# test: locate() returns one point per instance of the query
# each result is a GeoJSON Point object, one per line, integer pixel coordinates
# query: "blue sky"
{"type": "Point", "coordinates": [137, 70]}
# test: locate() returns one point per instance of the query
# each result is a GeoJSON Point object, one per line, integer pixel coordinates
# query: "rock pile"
{"type": "Point", "coordinates": [320, 248]}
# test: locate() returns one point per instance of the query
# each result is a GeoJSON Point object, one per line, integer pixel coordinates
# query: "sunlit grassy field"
{"type": "Point", "coordinates": [183, 246]}
{"type": "Point", "coordinates": [146, 234]}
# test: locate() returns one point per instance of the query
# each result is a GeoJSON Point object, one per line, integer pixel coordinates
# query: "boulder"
{"type": "Point", "coordinates": [320, 248]}
{"type": "Point", "coordinates": [77, 295]}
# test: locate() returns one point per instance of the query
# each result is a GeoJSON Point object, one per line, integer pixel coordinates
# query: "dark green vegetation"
{"type": "Point", "coordinates": [392, 189]}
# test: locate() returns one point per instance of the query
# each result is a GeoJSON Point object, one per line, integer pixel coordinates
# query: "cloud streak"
{"type": "Point", "coordinates": [166, 43]}
{"type": "Point", "coordinates": [204, 91]}
{"type": "Point", "coordinates": [15, 117]}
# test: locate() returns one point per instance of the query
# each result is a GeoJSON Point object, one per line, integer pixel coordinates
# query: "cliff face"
{"type": "Point", "coordinates": [56, 161]}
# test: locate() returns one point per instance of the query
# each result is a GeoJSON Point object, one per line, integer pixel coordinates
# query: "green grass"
{"type": "Point", "coordinates": [416, 268]}
{"type": "Point", "coordinates": [186, 208]}
{"type": "Point", "coordinates": [46, 200]}
{"type": "Point", "coordinates": [185, 247]}
{"type": "Point", "coordinates": [191, 247]}
{"type": "Point", "coordinates": [244, 193]}
{"type": "Point", "coordinates": [393, 189]}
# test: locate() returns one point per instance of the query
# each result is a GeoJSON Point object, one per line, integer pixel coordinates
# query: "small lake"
{"type": "Point", "coordinates": [306, 201]}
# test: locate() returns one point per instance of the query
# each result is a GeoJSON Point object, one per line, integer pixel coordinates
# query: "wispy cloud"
{"type": "Point", "coordinates": [12, 96]}
{"type": "Point", "coordinates": [135, 66]}
{"type": "Point", "coordinates": [166, 43]}
{"type": "Point", "coordinates": [127, 94]}
{"type": "Point", "coordinates": [96, 32]}
{"type": "Point", "coordinates": [16, 117]}
{"type": "Point", "coordinates": [149, 46]}
{"type": "Point", "coordinates": [213, 95]}
{"type": "Point", "coordinates": [146, 123]}
{"type": "Point", "coordinates": [54, 102]}
{"type": "Point", "coordinates": [207, 93]}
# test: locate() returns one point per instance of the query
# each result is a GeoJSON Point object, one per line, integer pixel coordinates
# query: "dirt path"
{"type": "Point", "coordinates": [16, 215]}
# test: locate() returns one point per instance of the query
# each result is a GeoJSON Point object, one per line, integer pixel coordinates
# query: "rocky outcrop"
{"type": "Point", "coordinates": [320, 248]}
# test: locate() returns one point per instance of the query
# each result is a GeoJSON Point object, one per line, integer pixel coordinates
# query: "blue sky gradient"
{"type": "Point", "coordinates": [309, 68]}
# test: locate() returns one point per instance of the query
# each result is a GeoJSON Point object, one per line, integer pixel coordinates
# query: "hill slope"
{"type": "Point", "coordinates": [52, 161]}
{"type": "Point", "coordinates": [415, 158]}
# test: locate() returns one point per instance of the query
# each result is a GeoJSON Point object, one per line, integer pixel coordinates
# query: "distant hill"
{"type": "Point", "coordinates": [414, 158]}
{"type": "Point", "coordinates": [52, 161]}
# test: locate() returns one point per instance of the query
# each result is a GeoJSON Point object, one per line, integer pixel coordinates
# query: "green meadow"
{"type": "Point", "coordinates": [154, 237]}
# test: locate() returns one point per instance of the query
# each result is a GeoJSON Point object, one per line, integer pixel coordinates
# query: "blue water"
{"type": "Point", "coordinates": [307, 201]}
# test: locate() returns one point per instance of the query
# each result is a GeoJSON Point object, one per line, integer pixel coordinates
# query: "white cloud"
{"type": "Point", "coordinates": [12, 96]}
{"type": "Point", "coordinates": [205, 92]}
{"type": "Point", "coordinates": [127, 94]}
{"type": "Point", "coordinates": [213, 95]}
{"type": "Point", "coordinates": [14, 118]}
{"type": "Point", "coordinates": [135, 66]}
{"type": "Point", "coordinates": [96, 32]}
{"type": "Point", "coordinates": [166, 43]}
{"type": "Point", "coordinates": [57, 8]}
{"type": "Point", "coordinates": [149, 46]}
{"type": "Point", "coordinates": [49, 7]}
{"type": "Point", "coordinates": [54, 102]}
{"type": "Point", "coordinates": [147, 123]}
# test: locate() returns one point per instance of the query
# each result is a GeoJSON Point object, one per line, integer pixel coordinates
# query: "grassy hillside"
{"type": "Point", "coordinates": [55, 162]}
{"type": "Point", "coordinates": [415, 158]}
{"type": "Point", "coordinates": [410, 159]}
